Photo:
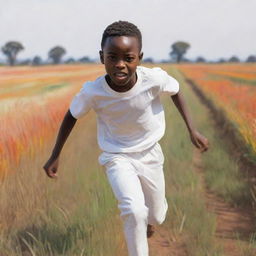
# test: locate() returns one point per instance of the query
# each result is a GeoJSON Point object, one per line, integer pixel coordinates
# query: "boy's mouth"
{"type": "Point", "coordinates": [120, 74]}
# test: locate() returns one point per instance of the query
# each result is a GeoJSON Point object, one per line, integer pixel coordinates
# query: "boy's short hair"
{"type": "Point", "coordinates": [121, 28]}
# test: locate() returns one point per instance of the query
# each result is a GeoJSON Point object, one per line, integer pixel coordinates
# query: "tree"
{"type": "Point", "coordinates": [200, 59]}
{"type": "Point", "coordinates": [56, 54]}
{"type": "Point", "coordinates": [251, 58]}
{"type": "Point", "coordinates": [11, 49]}
{"type": "Point", "coordinates": [221, 60]}
{"type": "Point", "coordinates": [178, 50]}
{"type": "Point", "coordinates": [25, 62]}
{"type": "Point", "coordinates": [37, 60]}
{"type": "Point", "coordinates": [70, 61]}
{"type": "Point", "coordinates": [85, 59]}
{"type": "Point", "coordinates": [148, 60]}
{"type": "Point", "coordinates": [234, 59]}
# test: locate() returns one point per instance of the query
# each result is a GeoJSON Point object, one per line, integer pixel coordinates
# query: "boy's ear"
{"type": "Point", "coordinates": [101, 57]}
{"type": "Point", "coordinates": [141, 56]}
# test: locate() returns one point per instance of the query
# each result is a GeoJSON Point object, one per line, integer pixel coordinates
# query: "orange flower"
{"type": "Point", "coordinates": [33, 103]}
{"type": "Point", "coordinates": [236, 97]}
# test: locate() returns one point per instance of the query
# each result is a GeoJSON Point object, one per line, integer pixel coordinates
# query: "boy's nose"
{"type": "Point", "coordinates": [120, 64]}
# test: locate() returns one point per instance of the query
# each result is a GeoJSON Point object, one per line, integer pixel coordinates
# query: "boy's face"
{"type": "Point", "coordinates": [121, 55]}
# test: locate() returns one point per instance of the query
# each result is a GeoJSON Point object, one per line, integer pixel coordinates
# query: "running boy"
{"type": "Point", "coordinates": [130, 121]}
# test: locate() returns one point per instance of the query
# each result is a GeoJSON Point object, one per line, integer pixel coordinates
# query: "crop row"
{"type": "Point", "coordinates": [237, 98]}
{"type": "Point", "coordinates": [30, 116]}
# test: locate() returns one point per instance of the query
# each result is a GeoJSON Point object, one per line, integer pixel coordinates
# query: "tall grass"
{"type": "Point", "coordinates": [77, 213]}
{"type": "Point", "coordinates": [237, 99]}
{"type": "Point", "coordinates": [222, 171]}
{"type": "Point", "coordinates": [74, 215]}
{"type": "Point", "coordinates": [33, 103]}
{"type": "Point", "coordinates": [188, 217]}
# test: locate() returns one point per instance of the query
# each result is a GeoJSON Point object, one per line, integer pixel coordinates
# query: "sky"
{"type": "Point", "coordinates": [213, 28]}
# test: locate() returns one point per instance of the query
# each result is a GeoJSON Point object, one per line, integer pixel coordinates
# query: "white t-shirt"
{"type": "Point", "coordinates": [129, 121]}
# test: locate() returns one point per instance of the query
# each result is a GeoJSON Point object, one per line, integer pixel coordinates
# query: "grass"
{"type": "Point", "coordinates": [222, 171]}
{"type": "Point", "coordinates": [53, 87]}
{"type": "Point", "coordinates": [77, 213]}
{"type": "Point", "coordinates": [240, 81]}
{"type": "Point", "coordinates": [188, 216]}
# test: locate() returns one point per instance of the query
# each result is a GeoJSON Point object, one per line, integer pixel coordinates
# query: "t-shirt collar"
{"type": "Point", "coordinates": [123, 94]}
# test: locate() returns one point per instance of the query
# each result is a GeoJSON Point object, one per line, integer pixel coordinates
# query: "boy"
{"type": "Point", "coordinates": [130, 121]}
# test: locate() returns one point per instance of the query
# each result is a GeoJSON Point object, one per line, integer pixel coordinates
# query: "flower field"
{"type": "Point", "coordinates": [33, 102]}
{"type": "Point", "coordinates": [232, 88]}
{"type": "Point", "coordinates": [74, 214]}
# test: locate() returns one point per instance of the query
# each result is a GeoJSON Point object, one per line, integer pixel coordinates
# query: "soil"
{"type": "Point", "coordinates": [233, 231]}
{"type": "Point", "coordinates": [162, 243]}
{"type": "Point", "coordinates": [234, 225]}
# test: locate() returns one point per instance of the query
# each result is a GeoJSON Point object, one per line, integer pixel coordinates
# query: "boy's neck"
{"type": "Point", "coordinates": [121, 89]}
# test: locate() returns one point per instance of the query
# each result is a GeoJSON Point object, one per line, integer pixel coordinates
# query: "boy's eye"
{"type": "Point", "coordinates": [111, 57]}
{"type": "Point", "coordinates": [129, 59]}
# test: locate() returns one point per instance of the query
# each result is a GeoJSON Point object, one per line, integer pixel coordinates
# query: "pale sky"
{"type": "Point", "coordinates": [213, 28]}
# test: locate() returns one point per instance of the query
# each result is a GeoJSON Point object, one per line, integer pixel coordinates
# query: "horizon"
{"type": "Point", "coordinates": [214, 29]}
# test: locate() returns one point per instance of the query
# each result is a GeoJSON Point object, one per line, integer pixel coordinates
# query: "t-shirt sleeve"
{"type": "Point", "coordinates": [169, 85]}
{"type": "Point", "coordinates": [82, 102]}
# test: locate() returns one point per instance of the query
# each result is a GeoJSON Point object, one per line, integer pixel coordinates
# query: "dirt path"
{"type": "Point", "coordinates": [233, 231]}
{"type": "Point", "coordinates": [234, 225]}
{"type": "Point", "coordinates": [163, 244]}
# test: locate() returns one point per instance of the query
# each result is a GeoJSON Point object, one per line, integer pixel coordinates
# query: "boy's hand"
{"type": "Point", "coordinates": [199, 141]}
{"type": "Point", "coordinates": [51, 167]}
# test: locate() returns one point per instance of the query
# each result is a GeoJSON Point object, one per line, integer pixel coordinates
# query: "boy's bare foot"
{"type": "Point", "coordinates": [150, 230]}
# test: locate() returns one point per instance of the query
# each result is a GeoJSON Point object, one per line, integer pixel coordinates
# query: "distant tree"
{"type": "Point", "coordinates": [25, 62]}
{"type": "Point", "coordinates": [56, 53]}
{"type": "Point", "coordinates": [251, 58]}
{"type": "Point", "coordinates": [85, 59]}
{"type": "Point", "coordinates": [200, 59]}
{"type": "Point", "coordinates": [186, 60]}
{"type": "Point", "coordinates": [179, 49]}
{"type": "Point", "coordinates": [37, 60]}
{"type": "Point", "coordinates": [70, 61]}
{"type": "Point", "coordinates": [234, 59]}
{"type": "Point", "coordinates": [148, 60]}
{"type": "Point", "coordinates": [11, 49]}
{"type": "Point", "coordinates": [221, 60]}
{"type": "Point", "coordinates": [164, 61]}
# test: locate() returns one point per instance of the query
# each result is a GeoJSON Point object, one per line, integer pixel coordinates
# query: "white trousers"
{"type": "Point", "coordinates": [137, 180]}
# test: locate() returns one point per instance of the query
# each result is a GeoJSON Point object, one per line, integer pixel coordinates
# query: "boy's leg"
{"type": "Point", "coordinates": [154, 193]}
{"type": "Point", "coordinates": [126, 186]}
{"type": "Point", "coordinates": [153, 185]}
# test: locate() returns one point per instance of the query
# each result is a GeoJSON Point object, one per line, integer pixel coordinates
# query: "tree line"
{"type": "Point", "coordinates": [55, 54]}
{"type": "Point", "coordinates": [179, 49]}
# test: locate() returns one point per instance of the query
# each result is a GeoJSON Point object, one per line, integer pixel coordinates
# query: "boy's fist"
{"type": "Point", "coordinates": [199, 141]}
{"type": "Point", "coordinates": [51, 167]}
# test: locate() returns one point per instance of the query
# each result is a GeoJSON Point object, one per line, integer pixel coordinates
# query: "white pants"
{"type": "Point", "coordinates": [137, 181]}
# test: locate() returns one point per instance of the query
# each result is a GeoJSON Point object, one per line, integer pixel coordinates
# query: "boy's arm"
{"type": "Point", "coordinates": [66, 127]}
{"type": "Point", "coordinates": [197, 139]}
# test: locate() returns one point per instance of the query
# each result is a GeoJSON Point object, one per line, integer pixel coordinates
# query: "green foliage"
{"type": "Point", "coordinates": [251, 58]}
{"type": "Point", "coordinates": [179, 49]}
{"type": "Point", "coordinates": [222, 172]}
{"type": "Point", "coordinates": [56, 53]}
{"type": "Point", "coordinates": [37, 60]}
{"type": "Point", "coordinates": [188, 216]}
{"type": "Point", "coordinates": [234, 59]}
{"type": "Point", "coordinates": [11, 49]}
